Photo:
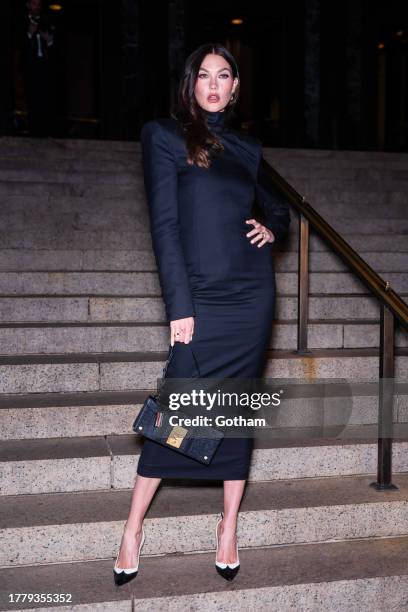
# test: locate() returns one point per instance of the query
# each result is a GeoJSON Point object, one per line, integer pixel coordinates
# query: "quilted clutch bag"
{"type": "Point", "coordinates": [197, 442]}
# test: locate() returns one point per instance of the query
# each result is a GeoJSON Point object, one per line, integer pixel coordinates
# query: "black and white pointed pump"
{"type": "Point", "coordinates": [124, 575]}
{"type": "Point", "coordinates": [226, 570]}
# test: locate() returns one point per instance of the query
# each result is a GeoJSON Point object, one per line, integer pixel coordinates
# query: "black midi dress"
{"type": "Point", "coordinates": [208, 269]}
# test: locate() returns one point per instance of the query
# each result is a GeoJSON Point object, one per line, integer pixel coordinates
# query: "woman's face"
{"type": "Point", "coordinates": [215, 83]}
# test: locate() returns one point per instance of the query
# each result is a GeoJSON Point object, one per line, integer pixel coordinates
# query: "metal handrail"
{"type": "Point", "coordinates": [392, 307]}
{"type": "Point", "coordinates": [381, 288]}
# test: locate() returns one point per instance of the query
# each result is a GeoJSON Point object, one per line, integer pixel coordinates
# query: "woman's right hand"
{"type": "Point", "coordinates": [181, 330]}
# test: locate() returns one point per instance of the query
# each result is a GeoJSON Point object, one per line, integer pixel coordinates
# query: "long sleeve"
{"type": "Point", "coordinates": [273, 203]}
{"type": "Point", "coordinates": [160, 179]}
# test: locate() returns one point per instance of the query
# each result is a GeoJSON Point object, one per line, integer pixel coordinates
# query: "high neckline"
{"type": "Point", "coordinates": [215, 120]}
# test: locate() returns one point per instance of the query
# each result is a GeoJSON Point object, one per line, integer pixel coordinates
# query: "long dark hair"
{"type": "Point", "coordinates": [201, 144]}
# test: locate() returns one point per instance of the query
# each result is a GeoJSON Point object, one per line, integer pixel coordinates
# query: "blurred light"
{"type": "Point", "coordinates": [55, 7]}
{"type": "Point", "coordinates": [399, 33]}
{"type": "Point", "coordinates": [237, 21]}
{"type": "Point", "coordinates": [380, 45]}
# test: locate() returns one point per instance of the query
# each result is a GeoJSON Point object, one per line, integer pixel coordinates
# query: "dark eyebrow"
{"type": "Point", "coordinates": [220, 70]}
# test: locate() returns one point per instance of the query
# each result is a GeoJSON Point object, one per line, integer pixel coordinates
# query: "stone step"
{"type": "Point", "coordinates": [328, 175]}
{"type": "Point", "coordinates": [346, 168]}
{"type": "Point", "coordinates": [147, 283]}
{"type": "Point", "coordinates": [130, 187]}
{"type": "Point", "coordinates": [128, 168]}
{"type": "Point", "coordinates": [333, 180]}
{"type": "Point", "coordinates": [359, 203]}
{"type": "Point", "coordinates": [133, 371]}
{"type": "Point", "coordinates": [43, 189]}
{"type": "Point", "coordinates": [69, 176]}
{"type": "Point", "coordinates": [67, 415]}
{"type": "Point", "coordinates": [10, 143]}
{"type": "Point", "coordinates": [98, 338]}
{"type": "Point", "coordinates": [109, 217]}
{"type": "Point", "coordinates": [60, 145]}
{"type": "Point", "coordinates": [105, 240]}
{"type": "Point", "coordinates": [87, 526]}
{"type": "Point", "coordinates": [77, 283]}
{"type": "Point", "coordinates": [106, 149]}
{"type": "Point", "coordinates": [337, 156]}
{"type": "Point", "coordinates": [99, 462]}
{"type": "Point", "coordinates": [70, 161]}
{"type": "Point", "coordinates": [30, 260]}
{"type": "Point", "coordinates": [50, 156]}
{"type": "Point", "coordinates": [151, 309]}
{"type": "Point", "coordinates": [114, 234]}
{"type": "Point", "coordinates": [38, 208]}
{"type": "Point", "coordinates": [272, 579]}
{"type": "Point", "coordinates": [359, 242]}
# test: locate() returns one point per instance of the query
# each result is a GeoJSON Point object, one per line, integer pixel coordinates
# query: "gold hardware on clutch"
{"type": "Point", "coordinates": [176, 436]}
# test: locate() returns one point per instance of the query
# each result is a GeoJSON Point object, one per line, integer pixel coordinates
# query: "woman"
{"type": "Point", "coordinates": [216, 272]}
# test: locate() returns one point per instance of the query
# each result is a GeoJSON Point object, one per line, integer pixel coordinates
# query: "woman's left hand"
{"type": "Point", "coordinates": [262, 233]}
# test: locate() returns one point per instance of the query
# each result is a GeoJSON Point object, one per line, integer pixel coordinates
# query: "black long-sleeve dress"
{"type": "Point", "coordinates": [209, 269]}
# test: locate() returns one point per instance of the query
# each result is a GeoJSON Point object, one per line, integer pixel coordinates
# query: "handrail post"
{"type": "Point", "coordinates": [303, 287]}
{"type": "Point", "coordinates": [386, 401]}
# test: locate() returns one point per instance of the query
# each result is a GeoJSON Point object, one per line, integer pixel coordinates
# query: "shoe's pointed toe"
{"type": "Point", "coordinates": [123, 578]}
{"type": "Point", "coordinates": [228, 573]}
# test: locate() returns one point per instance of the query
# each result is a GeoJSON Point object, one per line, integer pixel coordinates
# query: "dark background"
{"type": "Point", "coordinates": [314, 73]}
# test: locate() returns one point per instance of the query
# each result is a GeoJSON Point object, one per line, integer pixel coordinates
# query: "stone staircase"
{"type": "Point", "coordinates": [83, 340]}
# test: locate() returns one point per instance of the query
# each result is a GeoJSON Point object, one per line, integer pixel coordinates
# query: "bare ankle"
{"type": "Point", "coordinates": [229, 527]}
{"type": "Point", "coordinates": [133, 530]}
